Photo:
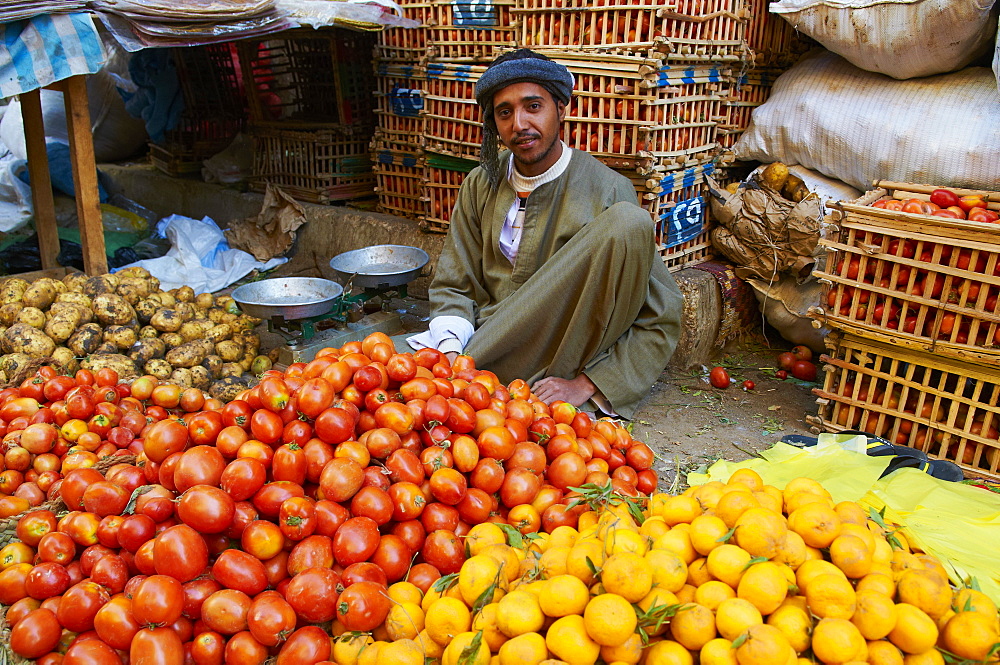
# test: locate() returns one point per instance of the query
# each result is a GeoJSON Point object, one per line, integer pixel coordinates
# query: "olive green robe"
{"type": "Point", "coordinates": [587, 291]}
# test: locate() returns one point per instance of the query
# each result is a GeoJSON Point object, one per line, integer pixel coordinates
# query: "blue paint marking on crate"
{"type": "Point", "coordinates": [474, 14]}
{"type": "Point", "coordinates": [686, 178]}
{"type": "Point", "coordinates": [683, 222]}
{"type": "Point", "coordinates": [677, 75]}
{"type": "Point", "coordinates": [406, 102]}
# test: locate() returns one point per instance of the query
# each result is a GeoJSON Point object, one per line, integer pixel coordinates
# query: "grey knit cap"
{"type": "Point", "coordinates": [521, 66]}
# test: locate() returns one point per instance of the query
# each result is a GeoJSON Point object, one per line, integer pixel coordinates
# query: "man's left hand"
{"type": "Point", "coordinates": [575, 391]}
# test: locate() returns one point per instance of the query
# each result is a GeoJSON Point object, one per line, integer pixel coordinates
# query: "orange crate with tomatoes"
{"type": "Point", "coordinates": [748, 91]}
{"type": "Point", "coordinates": [406, 45]}
{"type": "Point", "coordinates": [399, 182]}
{"type": "Point", "coordinates": [454, 121]}
{"type": "Point", "coordinates": [900, 271]}
{"type": "Point", "coordinates": [470, 30]}
{"type": "Point", "coordinates": [445, 175]}
{"type": "Point", "coordinates": [948, 408]}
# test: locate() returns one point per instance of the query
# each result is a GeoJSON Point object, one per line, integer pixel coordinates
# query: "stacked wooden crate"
{"type": "Point", "coordinates": [312, 112]}
{"type": "Point", "coordinates": [400, 85]}
{"type": "Point", "coordinates": [913, 301]}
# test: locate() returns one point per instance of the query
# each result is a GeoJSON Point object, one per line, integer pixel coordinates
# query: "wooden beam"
{"type": "Point", "coordinates": [43, 201]}
{"type": "Point", "coordinates": [81, 146]}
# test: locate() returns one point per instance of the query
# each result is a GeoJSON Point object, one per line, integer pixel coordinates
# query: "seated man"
{"type": "Point", "coordinates": [549, 272]}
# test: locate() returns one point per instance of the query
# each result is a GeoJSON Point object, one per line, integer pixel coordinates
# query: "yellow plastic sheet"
{"type": "Point", "coordinates": [957, 523]}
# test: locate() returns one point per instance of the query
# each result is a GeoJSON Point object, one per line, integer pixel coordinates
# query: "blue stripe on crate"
{"type": "Point", "coordinates": [675, 75]}
{"type": "Point", "coordinates": [409, 161]}
{"type": "Point", "coordinates": [683, 222]}
{"type": "Point", "coordinates": [686, 178]}
{"type": "Point", "coordinates": [474, 13]}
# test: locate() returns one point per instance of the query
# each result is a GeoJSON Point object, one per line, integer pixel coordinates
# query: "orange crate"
{"type": "Point", "coordinates": [399, 182]}
{"type": "Point", "coordinates": [917, 281]}
{"type": "Point", "coordinates": [445, 175]}
{"type": "Point", "coordinates": [948, 408]}
{"type": "Point", "coordinates": [318, 166]}
{"type": "Point", "coordinates": [309, 79]}
{"type": "Point", "coordinates": [454, 122]}
{"type": "Point", "coordinates": [470, 30]}
{"type": "Point", "coordinates": [399, 107]}
{"type": "Point", "coordinates": [749, 91]}
{"type": "Point", "coordinates": [773, 40]}
{"type": "Point", "coordinates": [406, 45]}
{"type": "Point", "coordinates": [699, 29]}
{"type": "Point", "coordinates": [692, 252]}
{"type": "Point", "coordinates": [676, 201]}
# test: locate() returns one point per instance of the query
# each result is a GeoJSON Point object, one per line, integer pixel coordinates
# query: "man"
{"type": "Point", "coordinates": [549, 272]}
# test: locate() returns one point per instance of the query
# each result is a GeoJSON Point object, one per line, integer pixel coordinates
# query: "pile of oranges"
{"type": "Point", "coordinates": [738, 573]}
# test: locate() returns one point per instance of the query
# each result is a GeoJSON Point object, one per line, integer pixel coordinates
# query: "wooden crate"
{"type": "Point", "coordinates": [445, 175]}
{"type": "Point", "coordinates": [470, 30]}
{"type": "Point", "coordinates": [677, 203]}
{"type": "Point", "coordinates": [319, 166]}
{"type": "Point", "coordinates": [948, 408]}
{"type": "Point", "coordinates": [406, 45]}
{"type": "Point", "coordinates": [400, 177]}
{"type": "Point", "coordinates": [748, 91]}
{"type": "Point", "coordinates": [214, 108]}
{"type": "Point", "coordinates": [454, 122]}
{"type": "Point", "coordinates": [772, 40]}
{"type": "Point", "coordinates": [917, 281]}
{"type": "Point", "coordinates": [399, 106]}
{"type": "Point", "coordinates": [692, 252]}
{"type": "Point", "coordinates": [309, 79]}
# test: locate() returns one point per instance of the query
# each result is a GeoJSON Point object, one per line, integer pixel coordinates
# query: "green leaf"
{"type": "Point", "coordinates": [486, 597]}
{"type": "Point", "coordinates": [136, 493]}
{"type": "Point", "coordinates": [755, 560]}
{"type": "Point", "coordinates": [514, 537]}
{"type": "Point", "coordinates": [635, 511]}
{"type": "Point", "coordinates": [725, 538]}
{"type": "Point", "coordinates": [469, 653]}
{"type": "Point", "coordinates": [738, 642]}
{"type": "Point", "coordinates": [594, 570]}
{"type": "Point", "coordinates": [444, 583]}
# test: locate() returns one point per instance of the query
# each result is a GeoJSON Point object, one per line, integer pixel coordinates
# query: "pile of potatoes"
{"type": "Point", "coordinates": [125, 322]}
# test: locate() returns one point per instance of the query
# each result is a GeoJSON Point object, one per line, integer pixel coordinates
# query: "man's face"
{"type": "Point", "coordinates": [528, 120]}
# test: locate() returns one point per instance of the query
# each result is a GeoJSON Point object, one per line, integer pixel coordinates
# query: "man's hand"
{"type": "Point", "coordinates": [575, 391]}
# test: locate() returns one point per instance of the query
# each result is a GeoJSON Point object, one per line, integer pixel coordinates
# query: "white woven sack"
{"type": "Point", "coordinates": [902, 38]}
{"type": "Point", "coordinates": [856, 126]}
{"type": "Point", "coordinates": [996, 60]}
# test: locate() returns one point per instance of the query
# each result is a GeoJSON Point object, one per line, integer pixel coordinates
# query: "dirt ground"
{"type": "Point", "coordinates": [690, 424]}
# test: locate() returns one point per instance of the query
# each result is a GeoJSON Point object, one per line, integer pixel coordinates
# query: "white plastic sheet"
{"type": "Point", "coordinates": [199, 257]}
{"type": "Point", "coordinates": [900, 38]}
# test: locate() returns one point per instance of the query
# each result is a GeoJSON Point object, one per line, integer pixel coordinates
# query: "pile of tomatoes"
{"type": "Point", "coordinates": [242, 526]}
{"type": "Point", "coordinates": [52, 424]}
{"type": "Point", "coordinates": [944, 203]}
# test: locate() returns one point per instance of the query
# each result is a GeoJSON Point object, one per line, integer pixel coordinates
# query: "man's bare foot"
{"type": "Point", "coordinates": [575, 391]}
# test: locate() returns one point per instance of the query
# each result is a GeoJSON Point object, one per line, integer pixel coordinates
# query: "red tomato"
{"type": "Point", "coordinates": [363, 606]}
{"type": "Point", "coordinates": [225, 611]}
{"type": "Point", "coordinates": [115, 623]}
{"type": "Point", "coordinates": [289, 463]}
{"type": "Point", "coordinates": [241, 571]}
{"type": "Point", "coordinates": [804, 370]}
{"type": "Point", "coordinates": [374, 503]}
{"type": "Point", "coordinates": [749, 385]}
{"type": "Point", "coordinates": [271, 619]}
{"type": "Point", "coordinates": [341, 479]}
{"type": "Point", "coordinates": [329, 516]}
{"type": "Point", "coordinates": [334, 425]}
{"type": "Point", "coordinates": [445, 551]}
{"type": "Point", "coordinates": [204, 427]}
{"type": "Point", "coordinates": [200, 465]}
{"type": "Point", "coordinates": [951, 214]}
{"type": "Point", "coordinates": [269, 498]}
{"type": "Point", "coordinates": [297, 517]}
{"type": "Point", "coordinates": [243, 477]}
{"type": "Point", "coordinates": [519, 486]}
{"type": "Point", "coordinates": [266, 426]}
{"type": "Point", "coordinates": [36, 634]}
{"type": "Point", "coordinates": [356, 540]}
{"type": "Point", "coordinates": [157, 646]}
{"type": "Point", "coordinates": [206, 508]}
{"type": "Point", "coordinates": [313, 594]}
{"type": "Point", "coordinates": [944, 198]}
{"type": "Point", "coordinates": [567, 470]}
{"type": "Point", "coordinates": [393, 557]}
{"type": "Point", "coordinates": [164, 438]}
{"type": "Point", "coordinates": [158, 601]}
{"type": "Point", "coordinates": [79, 605]}
{"type": "Point", "coordinates": [32, 526]}
{"type": "Point", "coordinates": [311, 552]}
{"type": "Point", "coordinates": [405, 466]}
{"type": "Point", "coordinates": [719, 377]}
{"type": "Point", "coordinates": [306, 646]}
{"type": "Point", "coordinates": [448, 485]}
{"type": "Point", "coordinates": [180, 552]}
{"type": "Point", "coordinates": [966, 203]}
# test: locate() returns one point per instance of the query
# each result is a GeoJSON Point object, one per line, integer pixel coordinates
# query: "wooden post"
{"type": "Point", "coordinates": [42, 199]}
{"type": "Point", "coordinates": [81, 146]}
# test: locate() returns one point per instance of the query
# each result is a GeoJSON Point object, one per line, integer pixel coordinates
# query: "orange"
{"type": "Point", "coordinates": [718, 652]}
{"type": "Point", "coordinates": [875, 614]}
{"type": "Point", "coordinates": [861, 532]}
{"type": "Point", "coordinates": [519, 612]}
{"type": "Point", "coordinates": [653, 528]}
{"type": "Point", "coordinates": [678, 509]}
{"type": "Point", "coordinates": [697, 572]}
{"type": "Point", "coordinates": [881, 652]}
{"type": "Point", "coordinates": [970, 600]}
{"type": "Point", "coordinates": [748, 477]}
{"type": "Point", "coordinates": [430, 648]}
{"type": "Point", "coordinates": [971, 635]}
{"type": "Point", "coordinates": [708, 494]}
{"type": "Point", "coordinates": [813, 568]}
{"type": "Point", "coordinates": [930, 657]}
{"type": "Point", "coordinates": [628, 575]}
{"type": "Point", "coordinates": [506, 556]}
{"type": "Point", "coordinates": [562, 595]}
{"type": "Point", "coordinates": [609, 619]}
{"type": "Point", "coordinates": [456, 651]}
{"type": "Point", "coordinates": [678, 541]}
{"type": "Point", "coordinates": [803, 484]}
{"type": "Point", "coordinates": [369, 655]}
{"type": "Point", "coordinates": [764, 585]}
{"type": "Point", "coordinates": [629, 652]}
{"type": "Point", "coordinates": [851, 555]}
{"type": "Point", "coordinates": [795, 623]}
{"type": "Point", "coordinates": [693, 626]}
{"type": "Point", "coordinates": [849, 511]}
{"type": "Point", "coordinates": [486, 621]}
{"type": "Point", "coordinates": [478, 574]}
{"type": "Point", "coordinates": [837, 641]}
{"type": "Point", "coordinates": [553, 561]}
{"type": "Point", "coordinates": [817, 523]}
{"type": "Point", "coordinates": [761, 532]}
{"type": "Point", "coordinates": [446, 618]}
{"type": "Point", "coordinates": [686, 594]}
{"type": "Point", "coordinates": [529, 649]}
{"type": "Point", "coordinates": [347, 648]}
{"type": "Point", "coordinates": [831, 596]}
{"type": "Point", "coordinates": [877, 582]}
{"type": "Point", "coordinates": [926, 590]}
{"type": "Point", "coordinates": [567, 639]}
{"type": "Point", "coordinates": [403, 651]}
{"type": "Point", "coordinates": [579, 555]}
{"type": "Point", "coordinates": [792, 551]}
{"type": "Point", "coordinates": [483, 535]}
{"type": "Point", "coordinates": [669, 570]}
{"type": "Point", "coordinates": [404, 621]}
{"type": "Point", "coordinates": [728, 563]}
{"type": "Point", "coordinates": [769, 501]}
{"type": "Point", "coordinates": [707, 533]}
{"type": "Point", "coordinates": [713, 592]}
{"type": "Point", "coordinates": [735, 615]}
{"type": "Point", "coordinates": [667, 652]}
{"type": "Point", "coordinates": [733, 504]}
{"type": "Point", "coordinates": [764, 645]}
{"type": "Point", "coordinates": [914, 632]}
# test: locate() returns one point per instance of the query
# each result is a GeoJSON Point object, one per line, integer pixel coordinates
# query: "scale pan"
{"type": "Point", "coordinates": [380, 266]}
{"type": "Point", "coordinates": [287, 297]}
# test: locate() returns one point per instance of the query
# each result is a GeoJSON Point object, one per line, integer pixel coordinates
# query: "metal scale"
{"type": "Point", "coordinates": [311, 313]}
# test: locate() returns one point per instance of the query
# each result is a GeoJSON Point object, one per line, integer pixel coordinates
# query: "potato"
{"type": "Point", "coordinates": [77, 313]}
{"type": "Point", "coordinates": [12, 364]}
{"type": "Point", "coordinates": [65, 359]}
{"type": "Point", "coordinates": [229, 350]}
{"type": "Point", "coordinates": [166, 320]}
{"type": "Point", "coordinates": [86, 339]}
{"type": "Point", "coordinates": [76, 298]}
{"type": "Point", "coordinates": [145, 309]}
{"type": "Point", "coordinates": [204, 301]}
{"type": "Point", "coordinates": [122, 337]}
{"type": "Point", "coordinates": [95, 286]}
{"type": "Point", "coordinates": [191, 331]}
{"type": "Point", "coordinates": [22, 338]}
{"type": "Point", "coordinates": [200, 377]}
{"type": "Point", "coordinates": [219, 333]}
{"type": "Point", "coordinates": [792, 182]}
{"type": "Point", "coordinates": [185, 310]}
{"type": "Point", "coordinates": [229, 317]}
{"type": "Point", "coordinates": [12, 290]}
{"type": "Point", "coordinates": [172, 339]}
{"type": "Point", "coordinates": [166, 299]}
{"type": "Point", "coordinates": [246, 322]}
{"type": "Point", "coordinates": [41, 294]}
{"type": "Point", "coordinates": [215, 314]}
{"type": "Point", "coordinates": [185, 294]}
{"type": "Point", "coordinates": [133, 272]}
{"type": "Point", "coordinates": [147, 349]}
{"type": "Point", "coordinates": [9, 312]}
{"type": "Point", "coordinates": [181, 377]}
{"type": "Point", "coordinates": [246, 362]}
{"type": "Point", "coordinates": [186, 355]}
{"type": "Point", "coordinates": [131, 293]}
{"type": "Point", "coordinates": [111, 309]}
{"type": "Point", "coordinates": [121, 364]}
{"type": "Point", "coordinates": [62, 326]}
{"type": "Point", "coordinates": [774, 176]}
{"type": "Point", "coordinates": [159, 368]}
{"type": "Point", "coordinates": [226, 389]}
{"type": "Point", "coordinates": [106, 348]}
{"type": "Point", "coordinates": [213, 364]}
{"type": "Point", "coordinates": [74, 282]}
{"type": "Point", "coordinates": [32, 316]}
{"type": "Point", "coordinates": [224, 302]}
{"type": "Point", "coordinates": [231, 369]}
{"type": "Point", "coordinates": [148, 332]}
